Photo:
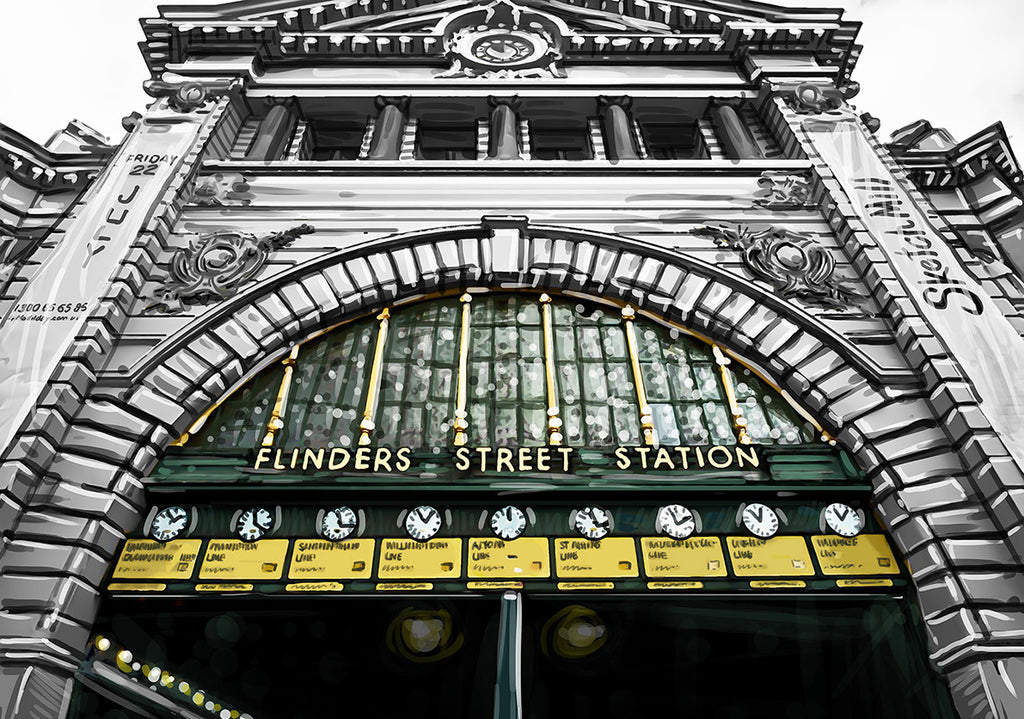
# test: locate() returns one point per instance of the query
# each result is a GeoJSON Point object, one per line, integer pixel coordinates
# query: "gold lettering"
{"type": "Point", "coordinates": [483, 452]}
{"type": "Point", "coordinates": [700, 457]}
{"type": "Point", "coordinates": [525, 460]}
{"type": "Point", "coordinates": [683, 451]}
{"type": "Point", "coordinates": [403, 462]}
{"type": "Point", "coordinates": [295, 457]}
{"type": "Point", "coordinates": [741, 455]}
{"type": "Point", "coordinates": [723, 450]}
{"type": "Point", "coordinates": [383, 459]}
{"type": "Point", "coordinates": [262, 457]}
{"type": "Point", "coordinates": [362, 458]}
{"type": "Point", "coordinates": [504, 457]}
{"type": "Point", "coordinates": [314, 457]}
{"type": "Point", "coordinates": [663, 457]}
{"type": "Point", "coordinates": [642, 451]}
{"type": "Point", "coordinates": [566, 452]}
{"type": "Point", "coordinates": [277, 460]}
{"type": "Point", "coordinates": [623, 458]}
{"type": "Point", "coordinates": [462, 458]}
{"type": "Point", "coordinates": [543, 459]}
{"type": "Point", "coordinates": [332, 464]}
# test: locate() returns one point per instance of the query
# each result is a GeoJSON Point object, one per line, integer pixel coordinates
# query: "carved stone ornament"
{"type": "Point", "coordinates": [783, 192]}
{"type": "Point", "coordinates": [222, 190]}
{"type": "Point", "coordinates": [794, 264]}
{"type": "Point", "coordinates": [187, 97]}
{"type": "Point", "coordinates": [215, 266]}
{"type": "Point", "coordinates": [503, 40]}
{"type": "Point", "coordinates": [810, 99]}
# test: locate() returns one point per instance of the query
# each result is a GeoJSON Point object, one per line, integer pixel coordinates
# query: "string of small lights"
{"type": "Point", "coordinates": [150, 675]}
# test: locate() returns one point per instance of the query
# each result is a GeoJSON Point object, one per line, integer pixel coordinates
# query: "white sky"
{"type": "Point", "coordinates": [958, 63]}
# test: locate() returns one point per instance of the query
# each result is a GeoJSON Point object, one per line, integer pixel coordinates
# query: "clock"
{"type": "Point", "coordinates": [253, 523]}
{"type": "Point", "coordinates": [502, 48]}
{"type": "Point", "coordinates": [843, 520]}
{"type": "Point", "coordinates": [508, 523]}
{"type": "Point", "coordinates": [593, 522]}
{"type": "Point", "coordinates": [676, 521]}
{"type": "Point", "coordinates": [760, 520]}
{"type": "Point", "coordinates": [423, 523]}
{"type": "Point", "coordinates": [168, 523]}
{"type": "Point", "coordinates": [338, 524]}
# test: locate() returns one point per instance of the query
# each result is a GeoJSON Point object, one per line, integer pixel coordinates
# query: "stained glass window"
{"type": "Point", "coordinates": [596, 387]}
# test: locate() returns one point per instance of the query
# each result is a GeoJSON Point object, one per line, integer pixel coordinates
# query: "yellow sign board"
{"type": "Point", "coordinates": [864, 554]}
{"type": "Point", "coordinates": [231, 559]}
{"type": "Point", "coordinates": [320, 559]}
{"type": "Point", "coordinates": [143, 587]}
{"type": "Point", "coordinates": [493, 585]}
{"type": "Point", "coordinates": [584, 586]}
{"type": "Point", "coordinates": [778, 584]}
{"type": "Point", "coordinates": [404, 587]}
{"type": "Point", "coordinates": [148, 559]}
{"type": "Point", "coordinates": [850, 583]}
{"type": "Point", "coordinates": [409, 559]}
{"type": "Point", "coordinates": [775, 557]}
{"type": "Point", "coordinates": [694, 557]}
{"type": "Point", "coordinates": [596, 559]}
{"type": "Point", "coordinates": [223, 587]}
{"type": "Point", "coordinates": [675, 585]}
{"type": "Point", "coordinates": [523, 558]}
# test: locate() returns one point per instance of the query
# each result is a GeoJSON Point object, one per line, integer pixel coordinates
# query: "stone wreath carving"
{"type": "Point", "coordinates": [794, 264]}
{"type": "Point", "coordinates": [810, 99]}
{"type": "Point", "coordinates": [231, 189]}
{"type": "Point", "coordinates": [783, 192]}
{"type": "Point", "coordinates": [188, 97]}
{"type": "Point", "coordinates": [215, 266]}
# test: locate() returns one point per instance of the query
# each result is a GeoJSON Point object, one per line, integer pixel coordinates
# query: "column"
{"type": "Point", "coordinates": [737, 140]}
{"type": "Point", "coordinates": [617, 127]}
{"type": "Point", "coordinates": [508, 702]}
{"type": "Point", "coordinates": [503, 139]}
{"type": "Point", "coordinates": [392, 113]}
{"type": "Point", "coordinates": [274, 134]}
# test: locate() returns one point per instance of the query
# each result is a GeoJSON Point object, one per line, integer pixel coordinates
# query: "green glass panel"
{"type": "Point", "coordinates": [241, 421]}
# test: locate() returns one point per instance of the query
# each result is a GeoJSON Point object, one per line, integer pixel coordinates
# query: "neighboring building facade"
{"type": "Point", "coordinates": [505, 358]}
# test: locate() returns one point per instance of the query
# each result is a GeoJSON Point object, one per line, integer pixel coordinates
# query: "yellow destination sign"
{"type": "Point", "coordinates": [694, 557]}
{"type": "Point", "coordinates": [148, 559]}
{"type": "Point", "coordinates": [523, 558]}
{"type": "Point", "coordinates": [675, 585]}
{"type": "Point", "coordinates": [143, 587]}
{"type": "Point", "coordinates": [851, 583]}
{"type": "Point", "coordinates": [320, 559]}
{"type": "Point", "coordinates": [865, 554]}
{"type": "Point", "coordinates": [778, 584]}
{"type": "Point", "coordinates": [775, 557]}
{"type": "Point", "coordinates": [404, 587]}
{"type": "Point", "coordinates": [493, 585]}
{"type": "Point", "coordinates": [234, 560]}
{"type": "Point", "coordinates": [409, 559]}
{"type": "Point", "coordinates": [223, 587]}
{"type": "Point", "coordinates": [596, 559]}
{"type": "Point", "coordinates": [584, 586]}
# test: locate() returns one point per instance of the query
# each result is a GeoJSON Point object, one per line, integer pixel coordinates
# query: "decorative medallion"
{"type": "Point", "coordinates": [215, 266]}
{"type": "Point", "coordinates": [187, 97]}
{"type": "Point", "coordinates": [502, 40]}
{"type": "Point", "coordinates": [221, 190]}
{"type": "Point", "coordinates": [795, 264]}
{"type": "Point", "coordinates": [783, 192]}
{"type": "Point", "coordinates": [811, 99]}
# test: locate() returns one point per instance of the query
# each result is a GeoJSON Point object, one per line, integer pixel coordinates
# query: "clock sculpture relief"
{"type": "Point", "coordinates": [503, 40]}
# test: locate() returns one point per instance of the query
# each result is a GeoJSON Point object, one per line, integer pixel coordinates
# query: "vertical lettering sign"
{"type": "Point", "coordinates": [38, 329]}
{"type": "Point", "coordinates": [952, 301]}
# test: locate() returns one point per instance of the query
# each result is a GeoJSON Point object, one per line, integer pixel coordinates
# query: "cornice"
{"type": "Point", "coordinates": [947, 169]}
{"type": "Point", "coordinates": [35, 166]}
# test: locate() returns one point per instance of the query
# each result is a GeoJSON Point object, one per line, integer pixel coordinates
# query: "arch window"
{"type": "Point", "coordinates": [502, 370]}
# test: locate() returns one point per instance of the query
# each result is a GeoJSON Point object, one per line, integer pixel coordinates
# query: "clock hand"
{"type": "Point", "coordinates": [842, 516]}
{"type": "Point", "coordinates": [757, 515]}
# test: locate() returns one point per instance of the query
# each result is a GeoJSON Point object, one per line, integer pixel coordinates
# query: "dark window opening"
{"type": "Point", "coordinates": [550, 141]}
{"type": "Point", "coordinates": [672, 141]}
{"type": "Point", "coordinates": [446, 142]}
{"type": "Point", "coordinates": [338, 141]}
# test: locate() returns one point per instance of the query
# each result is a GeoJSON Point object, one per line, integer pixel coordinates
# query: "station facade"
{"type": "Point", "coordinates": [525, 359]}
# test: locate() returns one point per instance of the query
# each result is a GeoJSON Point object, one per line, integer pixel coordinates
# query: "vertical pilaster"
{"type": "Point", "coordinates": [503, 138]}
{"type": "Point", "coordinates": [737, 139]}
{"type": "Point", "coordinates": [273, 134]}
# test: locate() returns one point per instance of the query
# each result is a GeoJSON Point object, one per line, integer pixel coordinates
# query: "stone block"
{"type": "Point", "coordinates": [86, 471]}
{"type": "Point", "coordinates": [979, 553]}
{"type": "Point", "coordinates": [989, 689]}
{"type": "Point", "coordinates": [25, 557]}
{"type": "Point", "coordinates": [299, 302]}
{"type": "Point", "coordinates": [159, 407]}
{"type": "Point", "coordinates": [1004, 624]}
{"type": "Point", "coordinates": [17, 481]}
{"type": "Point", "coordinates": [952, 395]}
{"type": "Point", "coordinates": [938, 595]}
{"type": "Point", "coordinates": [993, 587]}
{"type": "Point", "coordinates": [893, 417]}
{"type": "Point", "coordinates": [927, 561]}
{"type": "Point", "coordinates": [73, 499]}
{"type": "Point", "coordinates": [928, 468]}
{"type": "Point", "coordinates": [214, 353]}
{"type": "Point", "coordinates": [926, 496]}
{"type": "Point", "coordinates": [689, 293]}
{"type": "Point", "coordinates": [114, 418]}
{"type": "Point", "coordinates": [952, 632]}
{"type": "Point", "coordinates": [322, 294]}
{"type": "Point", "coordinates": [26, 593]}
{"type": "Point", "coordinates": [912, 533]}
{"type": "Point", "coordinates": [18, 630]}
{"type": "Point", "coordinates": [45, 684]}
{"type": "Point", "coordinates": [1008, 508]}
{"type": "Point", "coordinates": [276, 311]}
{"type": "Point", "coordinates": [902, 447]}
{"type": "Point", "coordinates": [51, 526]}
{"type": "Point", "coordinates": [848, 408]}
{"type": "Point", "coordinates": [83, 439]}
{"type": "Point", "coordinates": [961, 522]}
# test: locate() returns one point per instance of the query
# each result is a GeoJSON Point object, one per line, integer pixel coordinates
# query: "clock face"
{"type": "Point", "coordinates": [338, 524]}
{"type": "Point", "coordinates": [423, 523]}
{"type": "Point", "coordinates": [760, 520]}
{"type": "Point", "coordinates": [508, 523]}
{"type": "Point", "coordinates": [253, 523]}
{"type": "Point", "coordinates": [593, 522]}
{"type": "Point", "coordinates": [168, 524]}
{"type": "Point", "coordinates": [676, 521]}
{"type": "Point", "coordinates": [843, 520]}
{"type": "Point", "coordinates": [505, 47]}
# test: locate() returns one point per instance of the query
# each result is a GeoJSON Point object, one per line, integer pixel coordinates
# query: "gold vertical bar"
{"type": "Point", "coordinates": [196, 426]}
{"type": "Point", "coordinates": [461, 423]}
{"type": "Point", "coordinates": [646, 418]}
{"type": "Point", "coordinates": [554, 421]}
{"type": "Point", "coordinates": [366, 426]}
{"type": "Point", "coordinates": [739, 422]}
{"type": "Point", "coordinates": [276, 423]}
